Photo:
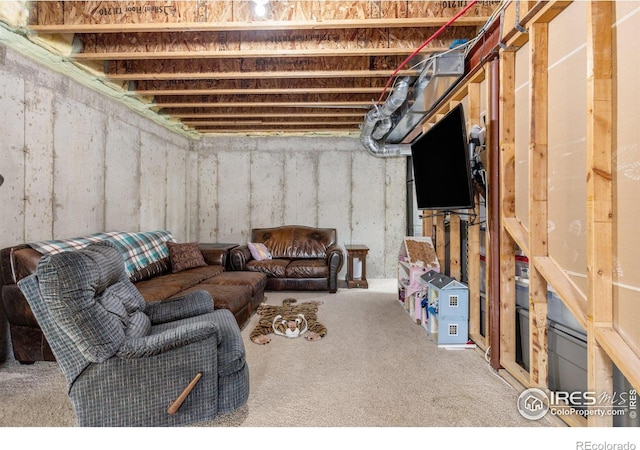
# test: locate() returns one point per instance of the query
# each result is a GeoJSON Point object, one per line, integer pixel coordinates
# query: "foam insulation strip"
{"type": "Point", "coordinates": [16, 39]}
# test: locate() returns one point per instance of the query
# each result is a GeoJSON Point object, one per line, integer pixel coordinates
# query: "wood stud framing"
{"type": "Point", "coordinates": [538, 222]}
{"type": "Point", "coordinates": [599, 196]}
{"type": "Point", "coordinates": [507, 211]}
{"type": "Point", "coordinates": [593, 310]}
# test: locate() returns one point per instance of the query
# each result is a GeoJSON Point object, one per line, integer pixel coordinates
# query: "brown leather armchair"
{"type": "Point", "coordinates": [302, 258]}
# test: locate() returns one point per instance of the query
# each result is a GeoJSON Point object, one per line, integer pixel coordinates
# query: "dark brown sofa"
{"type": "Point", "coordinates": [303, 258]}
{"type": "Point", "coordinates": [239, 292]}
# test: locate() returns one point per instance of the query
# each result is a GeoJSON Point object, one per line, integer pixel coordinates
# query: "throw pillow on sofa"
{"type": "Point", "coordinates": [259, 251]}
{"type": "Point", "coordinates": [185, 256]}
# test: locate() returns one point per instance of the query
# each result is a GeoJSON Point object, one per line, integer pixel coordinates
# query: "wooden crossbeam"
{"type": "Point", "coordinates": [277, 25]}
{"type": "Point", "coordinates": [257, 75]}
{"type": "Point", "coordinates": [301, 104]}
{"type": "Point", "coordinates": [261, 115]}
{"type": "Point", "coordinates": [240, 91]}
{"type": "Point", "coordinates": [244, 54]}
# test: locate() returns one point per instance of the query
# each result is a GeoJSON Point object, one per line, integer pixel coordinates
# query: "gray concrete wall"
{"type": "Point", "coordinates": [77, 162]}
{"type": "Point", "coordinates": [247, 183]}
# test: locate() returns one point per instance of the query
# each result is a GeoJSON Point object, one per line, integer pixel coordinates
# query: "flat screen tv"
{"type": "Point", "coordinates": [441, 167]}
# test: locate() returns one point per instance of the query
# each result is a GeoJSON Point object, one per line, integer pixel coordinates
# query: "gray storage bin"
{"type": "Point", "coordinates": [567, 354]}
{"type": "Point", "coordinates": [567, 359]}
{"type": "Point", "coordinates": [558, 312]}
{"type": "Point", "coordinates": [556, 309]}
{"type": "Point", "coordinates": [522, 293]}
{"type": "Point", "coordinates": [483, 315]}
{"type": "Point", "coordinates": [568, 362]}
{"type": "Point", "coordinates": [621, 384]}
{"type": "Point", "coordinates": [522, 337]}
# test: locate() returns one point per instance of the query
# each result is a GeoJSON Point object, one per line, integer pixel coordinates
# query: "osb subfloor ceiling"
{"type": "Point", "coordinates": [216, 67]}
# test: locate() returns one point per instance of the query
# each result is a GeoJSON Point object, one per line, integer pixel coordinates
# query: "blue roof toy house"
{"type": "Point", "coordinates": [449, 306]}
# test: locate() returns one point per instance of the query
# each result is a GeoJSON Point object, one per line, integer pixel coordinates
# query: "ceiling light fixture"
{"type": "Point", "coordinates": [260, 9]}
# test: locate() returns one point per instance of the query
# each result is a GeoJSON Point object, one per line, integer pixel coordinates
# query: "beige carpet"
{"type": "Point", "coordinates": [374, 368]}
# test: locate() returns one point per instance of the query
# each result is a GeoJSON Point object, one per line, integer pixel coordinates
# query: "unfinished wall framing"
{"type": "Point", "coordinates": [568, 176]}
{"type": "Point", "coordinates": [574, 201]}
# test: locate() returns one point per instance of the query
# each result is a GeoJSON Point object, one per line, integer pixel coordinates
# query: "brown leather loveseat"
{"type": "Point", "coordinates": [241, 293]}
{"type": "Point", "coordinates": [300, 257]}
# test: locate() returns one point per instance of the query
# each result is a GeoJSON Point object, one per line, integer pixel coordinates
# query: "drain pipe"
{"type": "Point", "coordinates": [377, 123]}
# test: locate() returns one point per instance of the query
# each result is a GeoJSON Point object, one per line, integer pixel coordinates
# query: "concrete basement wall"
{"type": "Point", "coordinates": [76, 161]}
{"type": "Point", "coordinates": [247, 183]}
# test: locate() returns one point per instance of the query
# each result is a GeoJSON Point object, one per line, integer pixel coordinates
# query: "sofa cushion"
{"type": "Point", "coordinates": [259, 251]}
{"type": "Point", "coordinates": [233, 298]}
{"type": "Point", "coordinates": [185, 256]}
{"type": "Point", "coordinates": [295, 241]}
{"type": "Point", "coordinates": [154, 269]}
{"type": "Point", "coordinates": [255, 280]}
{"type": "Point", "coordinates": [307, 268]}
{"type": "Point", "coordinates": [160, 288]}
{"type": "Point", "coordinates": [271, 267]}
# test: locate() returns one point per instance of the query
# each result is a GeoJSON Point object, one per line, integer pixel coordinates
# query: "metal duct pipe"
{"type": "Point", "coordinates": [382, 129]}
{"type": "Point", "coordinates": [372, 132]}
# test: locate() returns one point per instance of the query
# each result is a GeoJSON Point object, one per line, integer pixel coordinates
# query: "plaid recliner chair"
{"type": "Point", "coordinates": [131, 363]}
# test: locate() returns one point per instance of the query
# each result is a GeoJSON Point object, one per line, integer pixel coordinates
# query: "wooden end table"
{"type": "Point", "coordinates": [356, 252]}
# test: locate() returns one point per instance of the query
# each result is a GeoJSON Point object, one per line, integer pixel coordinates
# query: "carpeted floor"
{"type": "Point", "coordinates": [374, 368]}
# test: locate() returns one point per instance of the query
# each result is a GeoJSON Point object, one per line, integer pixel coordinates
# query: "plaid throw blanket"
{"type": "Point", "coordinates": [139, 249]}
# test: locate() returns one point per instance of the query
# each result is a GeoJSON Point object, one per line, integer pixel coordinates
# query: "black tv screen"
{"type": "Point", "coordinates": [441, 168]}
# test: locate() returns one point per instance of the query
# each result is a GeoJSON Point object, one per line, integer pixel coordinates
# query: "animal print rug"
{"type": "Point", "coordinates": [291, 320]}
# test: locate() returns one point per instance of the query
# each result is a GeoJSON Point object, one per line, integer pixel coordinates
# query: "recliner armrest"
{"type": "Point", "coordinates": [192, 304]}
{"type": "Point", "coordinates": [156, 344]}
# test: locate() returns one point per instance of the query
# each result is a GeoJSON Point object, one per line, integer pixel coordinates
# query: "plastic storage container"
{"type": "Point", "coordinates": [483, 315]}
{"type": "Point", "coordinates": [620, 385]}
{"type": "Point", "coordinates": [567, 360]}
{"type": "Point", "coordinates": [522, 293]}
{"type": "Point", "coordinates": [568, 363]}
{"type": "Point", "coordinates": [557, 311]}
{"type": "Point", "coordinates": [567, 353]}
{"type": "Point", "coordinates": [522, 337]}
{"type": "Point", "coordinates": [522, 266]}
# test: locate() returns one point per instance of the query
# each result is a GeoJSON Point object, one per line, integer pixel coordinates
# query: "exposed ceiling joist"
{"type": "Point", "coordinates": [306, 67]}
{"type": "Point", "coordinates": [264, 25]}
